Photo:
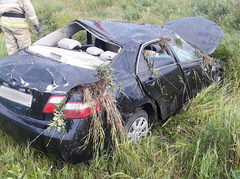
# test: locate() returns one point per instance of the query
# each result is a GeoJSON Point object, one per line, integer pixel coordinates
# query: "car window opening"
{"type": "Point", "coordinates": [156, 57]}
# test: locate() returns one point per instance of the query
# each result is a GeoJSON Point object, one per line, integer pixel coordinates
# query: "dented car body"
{"type": "Point", "coordinates": [156, 71]}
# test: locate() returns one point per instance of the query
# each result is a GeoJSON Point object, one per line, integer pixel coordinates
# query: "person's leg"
{"type": "Point", "coordinates": [23, 38]}
{"type": "Point", "coordinates": [11, 41]}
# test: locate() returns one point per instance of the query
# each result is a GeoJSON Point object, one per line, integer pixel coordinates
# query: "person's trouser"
{"type": "Point", "coordinates": [16, 39]}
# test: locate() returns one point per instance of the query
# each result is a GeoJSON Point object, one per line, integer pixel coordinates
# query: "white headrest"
{"type": "Point", "coordinates": [107, 55]}
{"type": "Point", "coordinates": [94, 51]}
{"type": "Point", "coordinates": [69, 44]}
{"type": "Point", "coordinates": [150, 53]}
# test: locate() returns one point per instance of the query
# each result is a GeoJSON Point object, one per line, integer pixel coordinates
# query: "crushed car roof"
{"type": "Point", "coordinates": [198, 31]}
{"type": "Point", "coordinates": [122, 32]}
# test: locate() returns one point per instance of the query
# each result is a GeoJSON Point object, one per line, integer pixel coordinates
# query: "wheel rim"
{"type": "Point", "coordinates": [138, 129]}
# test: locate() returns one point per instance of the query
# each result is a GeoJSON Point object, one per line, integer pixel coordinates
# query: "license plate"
{"type": "Point", "coordinates": [16, 96]}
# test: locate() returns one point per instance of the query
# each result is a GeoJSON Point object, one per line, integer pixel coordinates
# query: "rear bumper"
{"type": "Point", "coordinates": [63, 146]}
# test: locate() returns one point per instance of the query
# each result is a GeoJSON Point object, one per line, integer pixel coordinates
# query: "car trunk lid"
{"type": "Point", "coordinates": [43, 74]}
{"type": "Point", "coordinates": [27, 81]}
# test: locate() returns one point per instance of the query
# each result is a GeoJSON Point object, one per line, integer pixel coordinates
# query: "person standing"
{"type": "Point", "coordinates": [15, 25]}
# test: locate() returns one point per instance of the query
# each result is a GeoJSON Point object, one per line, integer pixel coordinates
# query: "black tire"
{"type": "Point", "coordinates": [137, 126]}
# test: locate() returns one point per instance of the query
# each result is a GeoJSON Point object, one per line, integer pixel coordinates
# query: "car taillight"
{"type": "Point", "coordinates": [73, 109]}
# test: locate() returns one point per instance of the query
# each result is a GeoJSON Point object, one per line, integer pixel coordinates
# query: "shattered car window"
{"type": "Point", "coordinates": [184, 51]}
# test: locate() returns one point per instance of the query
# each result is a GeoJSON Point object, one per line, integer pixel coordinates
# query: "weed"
{"type": "Point", "coordinates": [102, 93]}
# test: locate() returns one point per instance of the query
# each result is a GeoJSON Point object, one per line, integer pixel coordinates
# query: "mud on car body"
{"type": "Point", "coordinates": [156, 69]}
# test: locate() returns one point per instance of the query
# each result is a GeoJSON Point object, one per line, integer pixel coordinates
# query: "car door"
{"type": "Point", "coordinates": [191, 62]}
{"type": "Point", "coordinates": [161, 78]}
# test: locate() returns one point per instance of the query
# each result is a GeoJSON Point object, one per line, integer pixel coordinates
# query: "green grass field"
{"type": "Point", "coordinates": [201, 141]}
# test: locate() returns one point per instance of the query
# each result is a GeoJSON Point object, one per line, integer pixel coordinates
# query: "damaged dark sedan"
{"type": "Point", "coordinates": [155, 68]}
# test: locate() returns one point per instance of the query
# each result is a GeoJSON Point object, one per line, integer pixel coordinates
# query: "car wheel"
{"type": "Point", "coordinates": [137, 126]}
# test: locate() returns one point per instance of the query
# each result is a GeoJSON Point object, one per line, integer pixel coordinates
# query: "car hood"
{"type": "Point", "coordinates": [27, 70]}
{"type": "Point", "coordinates": [198, 31]}
{"type": "Point", "coordinates": [122, 32]}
